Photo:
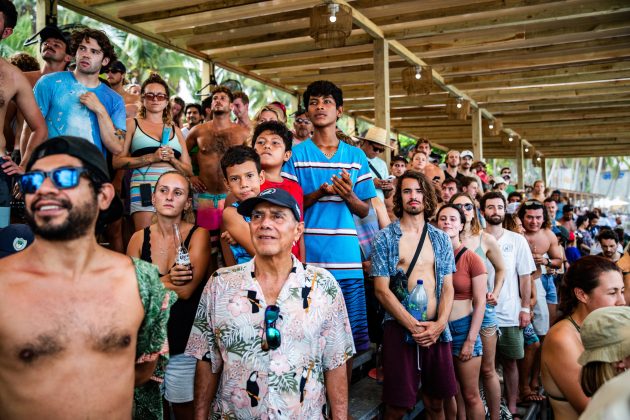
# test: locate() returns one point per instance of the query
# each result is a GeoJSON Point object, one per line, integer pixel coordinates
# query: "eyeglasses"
{"type": "Point", "coordinates": [271, 335]}
{"type": "Point", "coordinates": [302, 121]}
{"type": "Point", "coordinates": [533, 204]}
{"type": "Point", "coordinates": [62, 178]}
{"type": "Point", "coordinates": [160, 97]}
{"type": "Point", "coordinates": [378, 149]}
{"type": "Point", "coordinates": [113, 71]}
{"type": "Point", "coordinates": [467, 206]}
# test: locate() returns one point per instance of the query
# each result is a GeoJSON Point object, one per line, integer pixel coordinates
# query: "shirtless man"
{"type": "Point", "coordinates": [13, 85]}
{"type": "Point", "coordinates": [116, 73]}
{"type": "Point", "coordinates": [433, 172]}
{"type": "Point", "coordinates": [73, 314]}
{"type": "Point", "coordinates": [547, 255]}
{"type": "Point", "coordinates": [213, 138]}
{"type": "Point", "coordinates": [394, 247]}
{"type": "Point", "coordinates": [241, 110]}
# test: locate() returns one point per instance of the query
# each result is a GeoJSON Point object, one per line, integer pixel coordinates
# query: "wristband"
{"type": "Point", "coordinates": [526, 310]}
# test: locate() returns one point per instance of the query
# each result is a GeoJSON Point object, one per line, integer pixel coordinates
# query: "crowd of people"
{"type": "Point", "coordinates": [303, 247]}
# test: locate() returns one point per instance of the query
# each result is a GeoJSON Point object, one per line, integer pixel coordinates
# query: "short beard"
{"type": "Point", "coordinates": [76, 225]}
{"type": "Point", "coordinates": [491, 222]}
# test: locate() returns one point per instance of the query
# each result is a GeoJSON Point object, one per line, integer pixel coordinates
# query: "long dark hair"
{"type": "Point", "coordinates": [583, 274]}
{"type": "Point", "coordinates": [429, 199]}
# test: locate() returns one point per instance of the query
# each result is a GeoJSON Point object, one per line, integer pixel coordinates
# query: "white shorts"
{"type": "Point", "coordinates": [179, 379]}
{"type": "Point", "coordinates": [541, 310]}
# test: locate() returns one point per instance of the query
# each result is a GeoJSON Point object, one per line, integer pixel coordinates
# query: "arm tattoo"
{"type": "Point", "coordinates": [120, 134]}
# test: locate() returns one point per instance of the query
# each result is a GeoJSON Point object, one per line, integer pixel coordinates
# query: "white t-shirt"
{"type": "Point", "coordinates": [518, 261]}
{"type": "Point", "coordinates": [380, 165]}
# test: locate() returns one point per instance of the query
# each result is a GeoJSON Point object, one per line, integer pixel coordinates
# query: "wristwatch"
{"type": "Point", "coordinates": [526, 310]}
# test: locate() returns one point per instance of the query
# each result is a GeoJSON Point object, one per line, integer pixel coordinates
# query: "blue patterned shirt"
{"type": "Point", "coordinates": [385, 257]}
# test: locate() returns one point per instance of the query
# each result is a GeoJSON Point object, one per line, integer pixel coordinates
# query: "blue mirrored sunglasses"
{"type": "Point", "coordinates": [271, 335]}
{"type": "Point", "coordinates": [62, 178]}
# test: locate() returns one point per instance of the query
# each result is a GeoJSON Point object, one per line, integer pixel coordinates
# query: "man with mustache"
{"type": "Point", "coordinates": [547, 255]}
{"type": "Point", "coordinates": [70, 308]}
{"type": "Point", "coordinates": [213, 138]}
{"type": "Point", "coordinates": [407, 250]}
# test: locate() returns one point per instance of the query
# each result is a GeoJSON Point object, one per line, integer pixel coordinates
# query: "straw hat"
{"type": "Point", "coordinates": [606, 335]}
{"type": "Point", "coordinates": [376, 135]}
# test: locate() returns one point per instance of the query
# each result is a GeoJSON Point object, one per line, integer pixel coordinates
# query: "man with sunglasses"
{"type": "Point", "coordinates": [374, 143]}
{"type": "Point", "coordinates": [271, 336]}
{"type": "Point", "coordinates": [70, 308]}
{"type": "Point", "coordinates": [302, 127]}
{"type": "Point", "coordinates": [76, 103]}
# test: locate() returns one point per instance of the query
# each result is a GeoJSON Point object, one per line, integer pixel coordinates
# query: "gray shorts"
{"type": "Point", "coordinates": [179, 379]}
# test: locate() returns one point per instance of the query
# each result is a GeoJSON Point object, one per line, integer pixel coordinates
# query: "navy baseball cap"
{"type": "Point", "coordinates": [15, 238]}
{"type": "Point", "coordinates": [275, 196]}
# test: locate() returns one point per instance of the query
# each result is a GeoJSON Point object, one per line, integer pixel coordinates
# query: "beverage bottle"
{"type": "Point", "coordinates": [182, 257]}
{"type": "Point", "coordinates": [417, 305]}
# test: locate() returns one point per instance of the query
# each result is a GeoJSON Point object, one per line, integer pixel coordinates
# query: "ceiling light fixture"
{"type": "Point", "coordinates": [418, 73]}
{"type": "Point", "coordinates": [333, 8]}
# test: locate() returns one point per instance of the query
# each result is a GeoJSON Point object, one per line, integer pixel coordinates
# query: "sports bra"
{"type": "Point", "coordinates": [145, 254]}
{"type": "Point", "coordinates": [144, 144]}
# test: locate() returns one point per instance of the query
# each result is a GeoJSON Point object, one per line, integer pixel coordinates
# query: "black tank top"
{"type": "Point", "coordinates": [183, 311]}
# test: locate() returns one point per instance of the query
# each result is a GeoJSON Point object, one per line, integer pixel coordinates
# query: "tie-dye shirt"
{"type": "Point", "coordinates": [57, 95]}
{"type": "Point", "coordinates": [287, 382]}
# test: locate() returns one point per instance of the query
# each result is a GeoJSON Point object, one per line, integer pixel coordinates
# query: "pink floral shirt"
{"type": "Point", "coordinates": [284, 383]}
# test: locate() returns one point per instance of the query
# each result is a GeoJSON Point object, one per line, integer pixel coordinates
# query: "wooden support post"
{"type": "Point", "coordinates": [381, 86]}
{"type": "Point", "coordinates": [520, 169]}
{"type": "Point", "coordinates": [543, 168]}
{"type": "Point", "coordinates": [46, 13]}
{"type": "Point", "coordinates": [477, 134]}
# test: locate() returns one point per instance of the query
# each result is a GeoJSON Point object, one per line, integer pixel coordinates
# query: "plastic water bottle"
{"type": "Point", "coordinates": [417, 305]}
{"type": "Point", "coordinates": [418, 302]}
{"type": "Point", "coordinates": [182, 257]}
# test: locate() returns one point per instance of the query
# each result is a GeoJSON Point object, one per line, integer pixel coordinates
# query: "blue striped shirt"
{"type": "Point", "coordinates": [330, 236]}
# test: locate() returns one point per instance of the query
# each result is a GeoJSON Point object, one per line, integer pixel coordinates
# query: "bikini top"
{"type": "Point", "coordinates": [144, 144]}
{"type": "Point", "coordinates": [479, 250]}
{"type": "Point", "coordinates": [145, 254]}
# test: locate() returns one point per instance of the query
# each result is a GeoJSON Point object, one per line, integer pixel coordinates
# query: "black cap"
{"type": "Point", "coordinates": [567, 208]}
{"type": "Point", "coordinates": [118, 66]}
{"type": "Point", "coordinates": [52, 31]}
{"type": "Point", "coordinates": [92, 159]}
{"type": "Point", "coordinates": [15, 238]}
{"type": "Point", "coordinates": [556, 192]}
{"type": "Point", "coordinates": [275, 196]}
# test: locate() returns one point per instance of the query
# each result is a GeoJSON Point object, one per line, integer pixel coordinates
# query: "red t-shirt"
{"type": "Point", "coordinates": [468, 266]}
{"type": "Point", "coordinates": [295, 190]}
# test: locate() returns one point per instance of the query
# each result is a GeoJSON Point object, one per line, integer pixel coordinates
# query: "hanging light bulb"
{"type": "Point", "coordinates": [333, 8]}
{"type": "Point", "coordinates": [526, 149]}
{"type": "Point", "coordinates": [538, 159]}
{"type": "Point", "coordinates": [491, 126]}
{"type": "Point", "coordinates": [511, 139]}
{"type": "Point", "coordinates": [418, 73]}
{"type": "Point", "coordinates": [459, 103]}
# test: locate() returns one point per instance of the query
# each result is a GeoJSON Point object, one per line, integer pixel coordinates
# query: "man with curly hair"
{"type": "Point", "coordinates": [77, 103]}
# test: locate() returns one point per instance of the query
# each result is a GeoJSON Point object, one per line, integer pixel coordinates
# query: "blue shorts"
{"type": "Point", "coordinates": [529, 335]}
{"type": "Point", "coordinates": [550, 287]}
{"type": "Point", "coordinates": [459, 330]}
{"type": "Point", "coordinates": [489, 325]}
{"type": "Point", "coordinates": [353, 291]}
{"type": "Point", "coordinates": [179, 379]}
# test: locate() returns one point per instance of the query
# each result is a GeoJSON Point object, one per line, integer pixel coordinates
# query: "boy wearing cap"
{"type": "Point", "coordinates": [271, 336]}
{"type": "Point", "coordinates": [72, 308]}
{"type": "Point", "coordinates": [465, 167]}
{"type": "Point", "coordinates": [77, 104]}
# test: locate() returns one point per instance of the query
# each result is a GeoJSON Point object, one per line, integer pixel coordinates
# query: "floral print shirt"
{"type": "Point", "coordinates": [287, 382]}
